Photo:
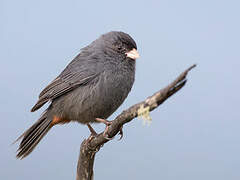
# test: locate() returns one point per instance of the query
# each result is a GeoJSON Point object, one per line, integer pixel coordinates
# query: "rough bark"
{"type": "Point", "coordinates": [88, 150]}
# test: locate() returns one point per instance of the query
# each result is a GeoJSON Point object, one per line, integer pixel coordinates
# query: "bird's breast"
{"type": "Point", "coordinates": [113, 88]}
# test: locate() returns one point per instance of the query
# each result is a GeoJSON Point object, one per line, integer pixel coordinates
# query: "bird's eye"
{"type": "Point", "coordinates": [121, 48]}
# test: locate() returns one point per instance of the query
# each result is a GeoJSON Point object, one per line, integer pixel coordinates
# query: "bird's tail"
{"type": "Point", "coordinates": [32, 136]}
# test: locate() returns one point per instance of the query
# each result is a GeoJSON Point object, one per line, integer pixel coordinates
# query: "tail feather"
{"type": "Point", "coordinates": [32, 132]}
{"type": "Point", "coordinates": [33, 141]}
{"type": "Point", "coordinates": [33, 135]}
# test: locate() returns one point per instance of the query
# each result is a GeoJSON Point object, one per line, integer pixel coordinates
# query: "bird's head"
{"type": "Point", "coordinates": [119, 43]}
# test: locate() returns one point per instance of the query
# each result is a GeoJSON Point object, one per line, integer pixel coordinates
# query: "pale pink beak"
{"type": "Point", "coordinates": [133, 54]}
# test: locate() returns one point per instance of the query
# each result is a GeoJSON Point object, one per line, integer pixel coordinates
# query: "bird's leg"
{"type": "Point", "coordinates": [107, 123]}
{"type": "Point", "coordinates": [92, 135]}
{"type": "Point", "coordinates": [93, 132]}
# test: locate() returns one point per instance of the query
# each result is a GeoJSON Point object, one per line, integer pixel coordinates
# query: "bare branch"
{"type": "Point", "coordinates": [88, 151]}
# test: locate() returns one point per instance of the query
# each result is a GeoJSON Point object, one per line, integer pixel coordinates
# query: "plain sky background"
{"type": "Point", "coordinates": [194, 135]}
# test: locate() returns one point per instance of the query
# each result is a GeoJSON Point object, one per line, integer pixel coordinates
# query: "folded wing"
{"type": "Point", "coordinates": [62, 85]}
{"type": "Point", "coordinates": [82, 70]}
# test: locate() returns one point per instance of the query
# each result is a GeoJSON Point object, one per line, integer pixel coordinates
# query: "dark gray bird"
{"type": "Point", "coordinates": [90, 88]}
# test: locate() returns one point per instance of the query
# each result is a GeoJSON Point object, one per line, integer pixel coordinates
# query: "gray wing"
{"type": "Point", "coordinates": [61, 86]}
{"type": "Point", "coordinates": [79, 72]}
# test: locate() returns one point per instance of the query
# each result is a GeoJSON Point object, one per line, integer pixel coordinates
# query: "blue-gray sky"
{"type": "Point", "coordinates": [194, 135]}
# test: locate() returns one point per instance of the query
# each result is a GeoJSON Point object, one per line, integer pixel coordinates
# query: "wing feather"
{"type": "Point", "coordinates": [59, 87]}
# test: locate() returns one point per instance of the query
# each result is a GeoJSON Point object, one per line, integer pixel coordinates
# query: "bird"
{"type": "Point", "coordinates": [91, 87]}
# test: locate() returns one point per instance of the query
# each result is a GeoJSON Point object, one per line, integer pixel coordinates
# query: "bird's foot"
{"type": "Point", "coordinates": [120, 133]}
{"type": "Point", "coordinates": [108, 123]}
